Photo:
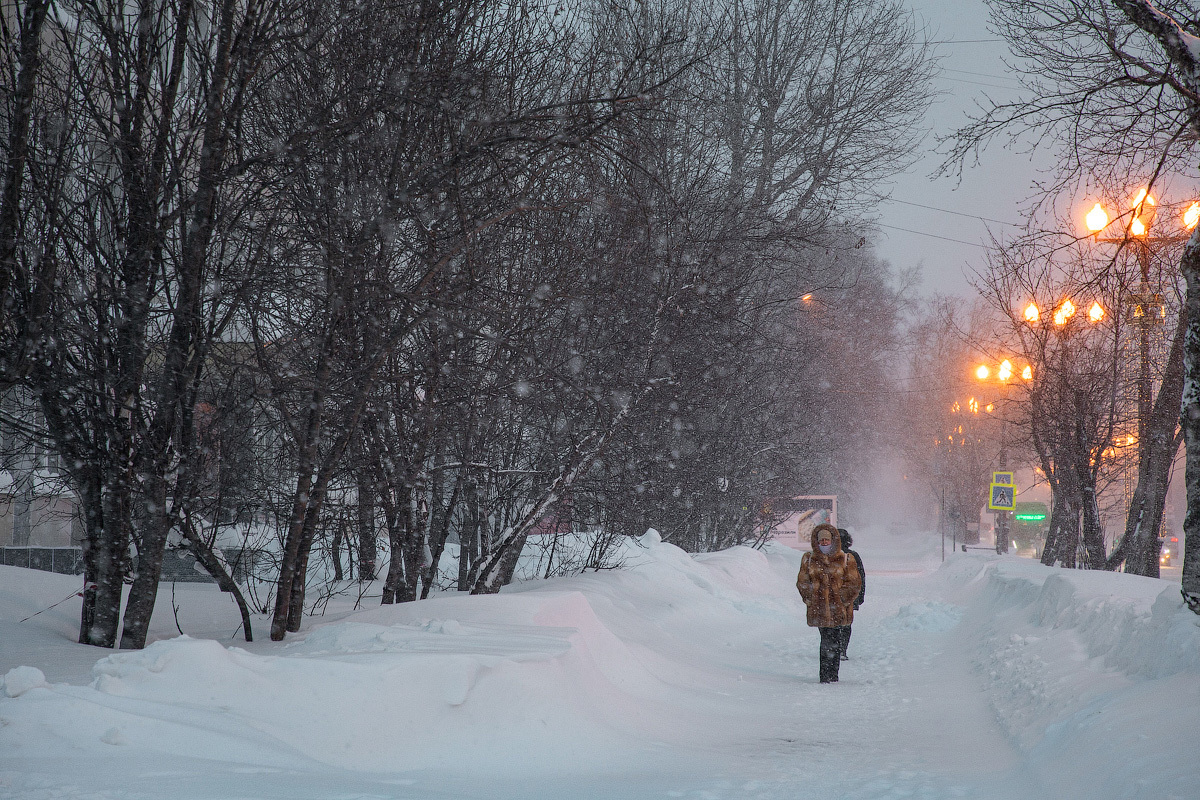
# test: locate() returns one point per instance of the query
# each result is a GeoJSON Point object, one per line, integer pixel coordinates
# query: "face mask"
{"type": "Point", "coordinates": [825, 548]}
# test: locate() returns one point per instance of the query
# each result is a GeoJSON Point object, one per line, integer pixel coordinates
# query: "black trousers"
{"type": "Point", "coordinates": [832, 643]}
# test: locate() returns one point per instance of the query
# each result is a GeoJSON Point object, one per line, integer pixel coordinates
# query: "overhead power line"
{"type": "Point", "coordinates": [979, 83]}
{"type": "Point", "coordinates": [948, 211]}
{"type": "Point", "coordinates": [981, 74]}
{"type": "Point", "coordinates": [933, 236]}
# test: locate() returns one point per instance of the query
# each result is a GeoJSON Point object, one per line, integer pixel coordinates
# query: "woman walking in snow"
{"type": "Point", "coordinates": [828, 582]}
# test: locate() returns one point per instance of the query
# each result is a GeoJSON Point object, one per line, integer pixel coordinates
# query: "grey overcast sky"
{"type": "Point", "coordinates": [942, 224]}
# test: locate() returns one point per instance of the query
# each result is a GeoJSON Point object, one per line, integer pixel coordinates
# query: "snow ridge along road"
{"type": "Point", "coordinates": [676, 677]}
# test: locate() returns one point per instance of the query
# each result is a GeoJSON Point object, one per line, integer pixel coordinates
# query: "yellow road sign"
{"type": "Point", "coordinates": [1002, 497]}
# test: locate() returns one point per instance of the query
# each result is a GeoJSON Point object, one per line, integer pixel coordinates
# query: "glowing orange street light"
{"type": "Point", "coordinates": [1143, 209]}
{"type": "Point", "coordinates": [1191, 216]}
{"type": "Point", "coordinates": [1064, 312]}
{"type": "Point", "coordinates": [1004, 372]}
{"type": "Point", "coordinates": [1032, 312]}
{"type": "Point", "coordinates": [1096, 312]}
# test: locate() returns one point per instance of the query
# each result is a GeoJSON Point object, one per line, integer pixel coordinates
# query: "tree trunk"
{"type": "Point", "coordinates": [311, 489]}
{"type": "Point", "coordinates": [1093, 530]}
{"type": "Point", "coordinates": [139, 608]}
{"type": "Point", "coordinates": [289, 564]}
{"type": "Point", "coordinates": [395, 573]}
{"type": "Point", "coordinates": [1050, 546]}
{"type": "Point", "coordinates": [416, 528]}
{"type": "Point", "coordinates": [306, 463]}
{"type": "Point", "coordinates": [440, 532]}
{"type": "Point", "coordinates": [468, 537]}
{"type": "Point", "coordinates": [1062, 542]}
{"type": "Point", "coordinates": [1068, 535]}
{"type": "Point", "coordinates": [1138, 548]}
{"type": "Point", "coordinates": [29, 59]}
{"type": "Point", "coordinates": [93, 557]}
{"type": "Point", "coordinates": [312, 518]}
{"type": "Point", "coordinates": [1190, 420]}
{"type": "Point", "coordinates": [367, 545]}
{"type": "Point", "coordinates": [335, 548]}
{"type": "Point", "coordinates": [112, 560]}
{"type": "Point", "coordinates": [397, 522]}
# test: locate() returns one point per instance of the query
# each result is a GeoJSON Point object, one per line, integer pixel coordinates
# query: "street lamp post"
{"type": "Point", "coordinates": [1004, 376]}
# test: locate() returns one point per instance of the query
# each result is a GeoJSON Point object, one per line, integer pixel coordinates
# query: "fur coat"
{"type": "Point", "coordinates": [829, 584]}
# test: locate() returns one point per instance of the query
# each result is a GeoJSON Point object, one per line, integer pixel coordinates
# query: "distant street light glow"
{"type": "Point", "coordinates": [982, 373]}
{"type": "Point", "coordinates": [1032, 312]}
{"type": "Point", "coordinates": [1096, 313]}
{"type": "Point", "coordinates": [1096, 219]}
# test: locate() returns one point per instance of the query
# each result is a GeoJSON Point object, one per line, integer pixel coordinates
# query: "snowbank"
{"type": "Point", "coordinates": [1096, 670]}
{"type": "Point", "coordinates": [533, 678]}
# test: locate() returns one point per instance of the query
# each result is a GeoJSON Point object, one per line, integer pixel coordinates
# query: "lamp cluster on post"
{"type": "Point", "coordinates": [1064, 313]}
{"type": "Point", "coordinates": [1004, 373]}
{"type": "Point", "coordinates": [1144, 305]}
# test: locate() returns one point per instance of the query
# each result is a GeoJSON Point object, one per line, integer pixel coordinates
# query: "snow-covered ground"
{"type": "Point", "coordinates": [676, 677]}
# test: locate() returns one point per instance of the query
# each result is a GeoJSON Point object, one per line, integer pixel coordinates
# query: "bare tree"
{"type": "Point", "coordinates": [1176, 35]}
{"type": "Point", "coordinates": [464, 112]}
{"type": "Point", "coordinates": [152, 95]}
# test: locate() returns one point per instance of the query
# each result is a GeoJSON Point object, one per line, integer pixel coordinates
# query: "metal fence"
{"type": "Point", "coordinates": [63, 560]}
{"type": "Point", "coordinates": [178, 565]}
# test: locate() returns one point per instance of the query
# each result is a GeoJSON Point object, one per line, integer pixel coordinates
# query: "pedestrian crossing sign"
{"type": "Point", "coordinates": [1002, 497]}
{"type": "Point", "coordinates": [1003, 477]}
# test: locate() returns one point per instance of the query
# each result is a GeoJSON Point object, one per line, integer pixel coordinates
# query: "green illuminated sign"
{"type": "Point", "coordinates": [1030, 517]}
